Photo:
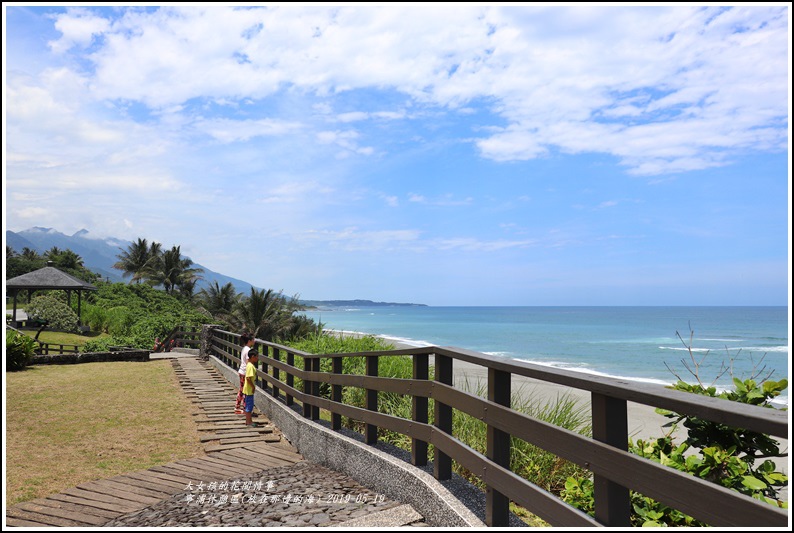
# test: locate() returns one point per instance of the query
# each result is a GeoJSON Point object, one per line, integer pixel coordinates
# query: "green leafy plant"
{"type": "Point", "coordinates": [55, 311]}
{"type": "Point", "coordinates": [712, 451]}
{"type": "Point", "coordinates": [20, 350]}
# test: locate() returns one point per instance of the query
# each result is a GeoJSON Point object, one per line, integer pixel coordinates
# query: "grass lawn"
{"type": "Point", "coordinates": [59, 337]}
{"type": "Point", "coordinates": [68, 424]}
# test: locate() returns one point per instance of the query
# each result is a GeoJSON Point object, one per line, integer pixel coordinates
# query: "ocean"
{"type": "Point", "coordinates": [635, 343]}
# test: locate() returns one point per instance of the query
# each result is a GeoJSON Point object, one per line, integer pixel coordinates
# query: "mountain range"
{"type": "Point", "coordinates": [99, 255]}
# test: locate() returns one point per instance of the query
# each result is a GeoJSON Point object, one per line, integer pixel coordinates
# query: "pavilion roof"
{"type": "Point", "coordinates": [48, 278]}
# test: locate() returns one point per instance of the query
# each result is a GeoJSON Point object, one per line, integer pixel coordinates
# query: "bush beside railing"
{"type": "Point", "coordinates": [606, 455]}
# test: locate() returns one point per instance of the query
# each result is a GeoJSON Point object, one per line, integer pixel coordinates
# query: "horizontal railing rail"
{"type": "Point", "coordinates": [615, 471]}
{"type": "Point", "coordinates": [48, 348]}
{"type": "Point", "coordinates": [180, 337]}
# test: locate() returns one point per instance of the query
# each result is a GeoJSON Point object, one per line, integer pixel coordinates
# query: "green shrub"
{"type": "Point", "coordinates": [96, 318]}
{"type": "Point", "coordinates": [55, 311]}
{"type": "Point", "coordinates": [103, 344]}
{"type": "Point", "coordinates": [724, 455]}
{"type": "Point", "coordinates": [19, 350]}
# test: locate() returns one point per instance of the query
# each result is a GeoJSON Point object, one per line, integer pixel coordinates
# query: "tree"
{"type": "Point", "coordinates": [187, 288]}
{"type": "Point", "coordinates": [69, 260]}
{"type": "Point", "coordinates": [219, 301]}
{"type": "Point", "coordinates": [171, 270]}
{"type": "Point", "coordinates": [30, 255]}
{"type": "Point", "coordinates": [266, 314]}
{"type": "Point", "coordinates": [135, 260]}
{"type": "Point", "coordinates": [53, 253]}
{"type": "Point", "coordinates": [10, 252]}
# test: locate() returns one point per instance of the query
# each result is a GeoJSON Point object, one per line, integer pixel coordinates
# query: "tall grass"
{"type": "Point", "coordinates": [539, 466]}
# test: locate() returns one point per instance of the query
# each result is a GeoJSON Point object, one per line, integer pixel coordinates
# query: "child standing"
{"type": "Point", "coordinates": [247, 340]}
{"type": "Point", "coordinates": [249, 388]}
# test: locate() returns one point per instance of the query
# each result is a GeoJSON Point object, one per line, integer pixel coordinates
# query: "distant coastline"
{"type": "Point", "coordinates": [316, 304]}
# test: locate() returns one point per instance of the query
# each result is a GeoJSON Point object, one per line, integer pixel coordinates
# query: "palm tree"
{"type": "Point", "coordinates": [10, 252]}
{"type": "Point", "coordinates": [69, 259]}
{"type": "Point", "coordinates": [264, 313]}
{"type": "Point", "coordinates": [219, 301]}
{"type": "Point", "coordinates": [133, 262]}
{"type": "Point", "coordinates": [27, 253]}
{"type": "Point", "coordinates": [187, 288]}
{"type": "Point", "coordinates": [171, 270]}
{"type": "Point", "coordinates": [53, 253]}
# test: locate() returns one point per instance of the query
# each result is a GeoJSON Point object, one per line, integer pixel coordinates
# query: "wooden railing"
{"type": "Point", "coordinates": [46, 348]}
{"type": "Point", "coordinates": [615, 470]}
{"type": "Point", "coordinates": [182, 337]}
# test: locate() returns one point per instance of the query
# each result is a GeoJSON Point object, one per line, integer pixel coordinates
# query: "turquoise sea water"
{"type": "Point", "coordinates": [628, 342]}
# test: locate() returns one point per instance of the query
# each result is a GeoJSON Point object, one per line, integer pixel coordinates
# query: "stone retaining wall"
{"type": "Point", "coordinates": [90, 357]}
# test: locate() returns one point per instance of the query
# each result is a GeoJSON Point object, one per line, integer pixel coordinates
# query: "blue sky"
{"type": "Point", "coordinates": [463, 155]}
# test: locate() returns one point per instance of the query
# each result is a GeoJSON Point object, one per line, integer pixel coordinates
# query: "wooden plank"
{"type": "Point", "coordinates": [212, 448]}
{"type": "Point", "coordinates": [262, 461]}
{"type": "Point", "coordinates": [209, 467]}
{"type": "Point", "coordinates": [169, 476]}
{"type": "Point", "coordinates": [104, 486]}
{"type": "Point", "coordinates": [49, 520]}
{"type": "Point", "coordinates": [240, 440]}
{"type": "Point", "coordinates": [241, 433]}
{"type": "Point", "coordinates": [259, 455]}
{"type": "Point", "coordinates": [85, 509]}
{"type": "Point", "coordinates": [136, 486]}
{"type": "Point", "coordinates": [233, 466]}
{"type": "Point", "coordinates": [19, 522]}
{"type": "Point", "coordinates": [89, 503]}
{"type": "Point", "coordinates": [120, 504]}
{"type": "Point", "coordinates": [91, 520]}
{"type": "Point", "coordinates": [159, 482]}
{"type": "Point", "coordinates": [197, 474]}
{"type": "Point", "coordinates": [277, 451]}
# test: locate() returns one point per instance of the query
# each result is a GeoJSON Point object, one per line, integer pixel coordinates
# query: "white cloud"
{"type": "Point", "coordinates": [447, 200]}
{"type": "Point", "coordinates": [227, 131]}
{"type": "Point", "coordinates": [664, 89]}
{"type": "Point", "coordinates": [345, 139]}
{"type": "Point", "coordinates": [78, 28]}
{"type": "Point", "coordinates": [353, 239]}
{"type": "Point", "coordinates": [469, 244]}
{"type": "Point", "coordinates": [295, 192]}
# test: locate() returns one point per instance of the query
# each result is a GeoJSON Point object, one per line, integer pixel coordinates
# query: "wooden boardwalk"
{"type": "Point", "coordinates": [232, 451]}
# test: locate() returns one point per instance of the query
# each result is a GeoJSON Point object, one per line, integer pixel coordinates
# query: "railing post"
{"type": "Point", "coordinates": [290, 377]}
{"type": "Point", "coordinates": [497, 505]}
{"type": "Point", "coordinates": [336, 393]}
{"type": "Point", "coordinates": [316, 390]}
{"type": "Point", "coordinates": [442, 464]}
{"type": "Point", "coordinates": [276, 373]}
{"type": "Point", "coordinates": [261, 383]}
{"type": "Point", "coordinates": [419, 409]}
{"type": "Point", "coordinates": [370, 430]}
{"type": "Point", "coordinates": [307, 387]}
{"type": "Point", "coordinates": [610, 426]}
{"type": "Point", "coordinates": [265, 366]}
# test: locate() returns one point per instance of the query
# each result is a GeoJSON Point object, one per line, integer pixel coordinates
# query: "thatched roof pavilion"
{"type": "Point", "coordinates": [47, 279]}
